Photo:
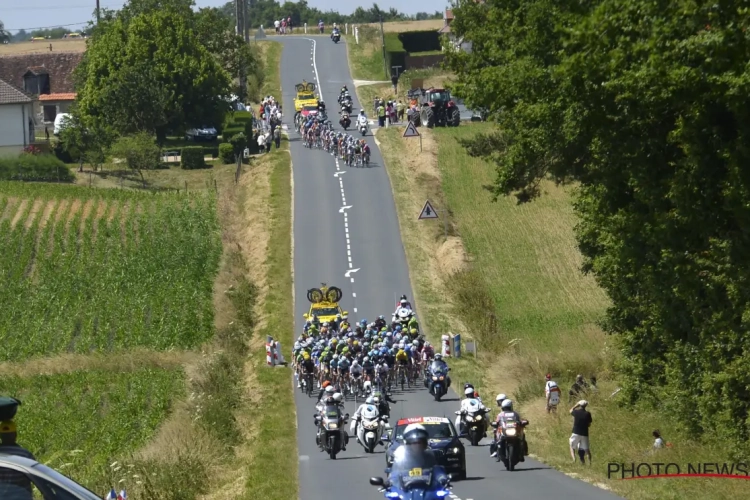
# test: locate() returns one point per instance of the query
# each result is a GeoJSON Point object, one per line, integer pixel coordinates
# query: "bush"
{"type": "Point", "coordinates": [32, 167]}
{"type": "Point", "coordinates": [394, 50]}
{"type": "Point", "coordinates": [226, 153]}
{"type": "Point", "coordinates": [419, 41]}
{"type": "Point", "coordinates": [191, 158]}
{"type": "Point", "coordinates": [61, 154]}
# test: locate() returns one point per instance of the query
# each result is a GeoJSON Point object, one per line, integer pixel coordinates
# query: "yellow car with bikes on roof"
{"type": "Point", "coordinates": [324, 303]}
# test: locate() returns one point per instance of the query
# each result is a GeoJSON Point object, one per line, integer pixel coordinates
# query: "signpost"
{"type": "Point", "coordinates": [456, 341]}
{"type": "Point", "coordinates": [429, 212]}
{"type": "Point", "coordinates": [411, 131]}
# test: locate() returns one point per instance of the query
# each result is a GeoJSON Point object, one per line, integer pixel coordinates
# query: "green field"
{"type": "Point", "coordinates": [520, 265]}
{"type": "Point", "coordinates": [87, 270]}
{"type": "Point", "coordinates": [78, 422]}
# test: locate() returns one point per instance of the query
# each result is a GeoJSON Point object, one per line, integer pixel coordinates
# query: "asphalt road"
{"type": "Point", "coordinates": [346, 234]}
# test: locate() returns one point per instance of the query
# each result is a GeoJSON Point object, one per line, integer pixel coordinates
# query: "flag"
{"type": "Point", "coordinates": [122, 495]}
{"type": "Point", "coordinates": [112, 495]}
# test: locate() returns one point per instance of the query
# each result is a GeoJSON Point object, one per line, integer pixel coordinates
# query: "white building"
{"type": "Point", "coordinates": [16, 120]}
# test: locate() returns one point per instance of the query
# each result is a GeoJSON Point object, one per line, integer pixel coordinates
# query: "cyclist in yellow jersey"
{"type": "Point", "coordinates": [402, 357]}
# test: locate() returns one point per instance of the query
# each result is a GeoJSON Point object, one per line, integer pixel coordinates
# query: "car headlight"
{"type": "Point", "coordinates": [333, 426]}
{"type": "Point", "coordinates": [510, 432]}
{"type": "Point", "coordinates": [453, 451]}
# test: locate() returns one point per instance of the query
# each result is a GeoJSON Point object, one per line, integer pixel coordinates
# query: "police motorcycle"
{"type": "Point", "coordinates": [331, 436]}
{"type": "Point", "coordinates": [473, 420]}
{"type": "Point", "coordinates": [370, 426]}
{"type": "Point", "coordinates": [438, 380]}
{"type": "Point", "coordinates": [414, 475]}
{"type": "Point", "coordinates": [513, 437]}
{"type": "Point", "coordinates": [402, 316]}
{"type": "Point", "coordinates": [336, 35]}
{"type": "Point", "coordinates": [345, 121]}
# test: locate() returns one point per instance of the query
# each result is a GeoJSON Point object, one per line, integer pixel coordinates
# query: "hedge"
{"type": "Point", "coordinates": [191, 158]}
{"type": "Point", "coordinates": [394, 51]}
{"type": "Point", "coordinates": [28, 167]}
{"type": "Point", "coordinates": [420, 41]}
{"type": "Point", "coordinates": [226, 153]}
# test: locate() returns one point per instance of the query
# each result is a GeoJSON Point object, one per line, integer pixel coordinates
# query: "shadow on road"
{"type": "Point", "coordinates": [532, 468]}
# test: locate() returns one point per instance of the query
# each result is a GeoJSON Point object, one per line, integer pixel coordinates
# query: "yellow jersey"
{"type": "Point", "coordinates": [402, 356]}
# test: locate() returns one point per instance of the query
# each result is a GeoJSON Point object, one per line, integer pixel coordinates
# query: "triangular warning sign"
{"type": "Point", "coordinates": [428, 212]}
{"type": "Point", "coordinates": [411, 131]}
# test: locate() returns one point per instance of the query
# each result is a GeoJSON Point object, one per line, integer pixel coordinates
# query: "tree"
{"type": "Point", "coordinates": [4, 35]}
{"type": "Point", "coordinates": [82, 143]}
{"type": "Point", "coordinates": [139, 151]}
{"type": "Point", "coordinates": [646, 105]}
{"type": "Point", "coordinates": [145, 71]}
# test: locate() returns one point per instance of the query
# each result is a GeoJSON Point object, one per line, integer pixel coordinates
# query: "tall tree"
{"type": "Point", "coordinates": [647, 106]}
{"type": "Point", "coordinates": [4, 35]}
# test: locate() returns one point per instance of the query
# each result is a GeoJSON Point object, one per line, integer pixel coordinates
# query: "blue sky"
{"type": "Point", "coordinates": [52, 13]}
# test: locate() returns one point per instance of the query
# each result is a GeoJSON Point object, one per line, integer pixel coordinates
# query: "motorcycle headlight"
{"type": "Point", "coordinates": [434, 378]}
{"type": "Point", "coordinates": [333, 426]}
{"type": "Point", "coordinates": [371, 426]}
{"type": "Point", "coordinates": [510, 432]}
{"type": "Point", "coordinates": [469, 418]}
{"type": "Point", "coordinates": [442, 378]}
{"type": "Point", "coordinates": [479, 417]}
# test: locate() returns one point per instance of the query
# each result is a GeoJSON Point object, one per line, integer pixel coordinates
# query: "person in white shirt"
{"type": "Point", "coordinates": [552, 394]}
{"type": "Point", "coordinates": [276, 25]}
{"type": "Point", "coordinates": [658, 441]}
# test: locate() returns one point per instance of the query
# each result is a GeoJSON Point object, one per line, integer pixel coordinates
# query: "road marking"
{"type": "Point", "coordinates": [354, 295]}
{"type": "Point", "coordinates": [338, 173]}
{"type": "Point", "coordinates": [315, 66]}
{"type": "Point", "coordinates": [350, 272]}
{"type": "Point", "coordinates": [342, 209]}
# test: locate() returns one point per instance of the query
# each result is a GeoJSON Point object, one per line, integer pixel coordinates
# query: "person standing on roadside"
{"type": "Point", "coordinates": [277, 137]}
{"type": "Point", "coordinates": [579, 439]}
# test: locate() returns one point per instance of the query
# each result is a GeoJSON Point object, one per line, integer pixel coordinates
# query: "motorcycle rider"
{"type": "Point", "coordinates": [469, 404]}
{"type": "Point", "coordinates": [382, 403]}
{"type": "Point", "coordinates": [508, 415]}
{"type": "Point", "coordinates": [470, 386]}
{"type": "Point", "coordinates": [499, 399]}
{"type": "Point", "coordinates": [403, 302]}
{"type": "Point", "coordinates": [326, 390]}
{"type": "Point", "coordinates": [335, 31]}
{"type": "Point", "coordinates": [415, 450]}
{"type": "Point", "coordinates": [358, 414]}
{"type": "Point", "coordinates": [361, 119]}
{"type": "Point", "coordinates": [438, 362]}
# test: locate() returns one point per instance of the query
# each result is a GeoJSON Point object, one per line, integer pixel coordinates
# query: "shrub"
{"type": "Point", "coordinates": [226, 152]}
{"type": "Point", "coordinates": [191, 158]}
{"type": "Point", "coordinates": [238, 142]}
{"type": "Point", "coordinates": [139, 151]}
{"type": "Point", "coordinates": [33, 167]}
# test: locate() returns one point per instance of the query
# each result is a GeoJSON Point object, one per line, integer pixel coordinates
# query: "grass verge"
{"type": "Point", "coordinates": [366, 57]}
{"type": "Point", "coordinates": [509, 275]}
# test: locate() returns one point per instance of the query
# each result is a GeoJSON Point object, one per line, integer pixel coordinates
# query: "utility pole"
{"type": "Point", "coordinates": [240, 7]}
{"type": "Point", "coordinates": [246, 22]}
{"type": "Point", "coordinates": [98, 18]}
{"type": "Point", "coordinates": [382, 38]}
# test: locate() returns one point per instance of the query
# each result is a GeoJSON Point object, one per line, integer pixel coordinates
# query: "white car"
{"type": "Point", "coordinates": [45, 483]}
{"type": "Point", "coordinates": [60, 122]}
{"type": "Point", "coordinates": [204, 133]}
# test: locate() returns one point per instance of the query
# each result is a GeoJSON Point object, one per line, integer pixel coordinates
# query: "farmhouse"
{"type": "Point", "coordinates": [49, 76]}
{"type": "Point", "coordinates": [16, 120]}
{"type": "Point", "coordinates": [458, 44]}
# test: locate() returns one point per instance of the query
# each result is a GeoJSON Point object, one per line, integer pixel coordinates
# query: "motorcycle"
{"type": "Point", "coordinates": [336, 37]}
{"type": "Point", "coordinates": [346, 104]}
{"type": "Point", "coordinates": [416, 484]}
{"type": "Point", "coordinates": [362, 129]}
{"type": "Point", "coordinates": [402, 316]}
{"type": "Point", "coordinates": [513, 433]}
{"type": "Point", "coordinates": [345, 121]}
{"type": "Point", "coordinates": [439, 385]}
{"type": "Point", "coordinates": [473, 424]}
{"type": "Point", "coordinates": [330, 424]}
{"type": "Point", "coordinates": [370, 427]}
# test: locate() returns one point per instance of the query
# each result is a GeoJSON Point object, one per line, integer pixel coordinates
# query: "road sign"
{"type": "Point", "coordinates": [411, 131]}
{"type": "Point", "coordinates": [260, 34]}
{"type": "Point", "coordinates": [428, 212]}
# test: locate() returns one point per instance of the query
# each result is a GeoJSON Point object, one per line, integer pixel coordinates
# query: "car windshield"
{"type": "Point", "coordinates": [440, 96]}
{"type": "Point", "coordinates": [436, 430]}
{"type": "Point", "coordinates": [306, 96]}
{"type": "Point", "coordinates": [325, 311]}
{"type": "Point", "coordinates": [310, 108]}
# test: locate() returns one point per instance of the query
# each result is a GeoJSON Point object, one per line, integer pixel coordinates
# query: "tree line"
{"type": "Point", "coordinates": [152, 69]}
{"type": "Point", "coordinates": [646, 106]}
{"type": "Point", "coordinates": [265, 12]}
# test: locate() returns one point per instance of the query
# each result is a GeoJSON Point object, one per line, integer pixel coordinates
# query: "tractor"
{"type": "Point", "coordinates": [435, 107]}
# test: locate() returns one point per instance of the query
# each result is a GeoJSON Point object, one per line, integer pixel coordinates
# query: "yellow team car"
{"type": "Point", "coordinates": [305, 96]}
{"type": "Point", "coordinates": [324, 303]}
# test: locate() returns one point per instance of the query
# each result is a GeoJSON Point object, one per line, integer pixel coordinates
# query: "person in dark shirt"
{"type": "Point", "coordinates": [579, 439]}
{"type": "Point", "coordinates": [579, 387]}
{"type": "Point", "coordinates": [13, 484]}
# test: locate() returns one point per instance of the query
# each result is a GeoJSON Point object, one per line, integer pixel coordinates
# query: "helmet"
{"type": "Point", "coordinates": [370, 400]}
{"type": "Point", "coordinates": [330, 390]}
{"type": "Point", "coordinates": [500, 398]}
{"type": "Point", "coordinates": [415, 433]}
{"type": "Point", "coordinates": [376, 400]}
{"type": "Point", "coordinates": [415, 343]}
{"type": "Point", "coordinates": [469, 392]}
{"type": "Point", "coordinates": [403, 301]}
{"type": "Point", "coordinates": [507, 405]}
{"type": "Point", "coordinates": [438, 357]}
{"type": "Point", "coordinates": [553, 384]}
{"type": "Point", "coordinates": [366, 359]}
{"type": "Point", "coordinates": [306, 356]}
{"type": "Point", "coordinates": [548, 377]}
{"type": "Point", "coordinates": [413, 331]}
{"type": "Point", "coordinates": [338, 397]}
{"type": "Point", "coordinates": [326, 384]}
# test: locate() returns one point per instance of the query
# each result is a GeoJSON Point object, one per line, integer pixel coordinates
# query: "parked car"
{"type": "Point", "coordinates": [204, 133]}
{"type": "Point", "coordinates": [45, 483]}
{"type": "Point", "coordinates": [60, 124]}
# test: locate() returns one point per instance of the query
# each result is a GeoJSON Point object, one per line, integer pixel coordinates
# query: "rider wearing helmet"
{"type": "Point", "coordinates": [507, 415]}
{"type": "Point", "coordinates": [327, 389]}
{"type": "Point", "coordinates": [415, 454]}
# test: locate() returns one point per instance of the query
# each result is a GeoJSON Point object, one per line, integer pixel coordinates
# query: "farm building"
{"type": "Point", "coordinates": [16, 119]}
{"type": "Point", "coordinates": [48, 76]}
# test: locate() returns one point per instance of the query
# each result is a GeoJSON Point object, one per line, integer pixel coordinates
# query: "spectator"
{"type": "Point", "coordinates": [269, 141]}
{"type": "Point", "coordinates": [261, 142]}
{"type": "Point", "coordinates": [579, 439]}
{"type": "Point", "coordinates": [578, 388]}
{"type": "Point", "coordinates": [552, 394]}
{"type": "Point", "coordinates": [381, 114]}
{"type": "Point", "coordinates": [277, 137]}
{"type": "Point", "coordinates": [277, 24]}
{"type": "Point", "coordinates": [400, 110]}
{"type": "Point", "coordinates": [658, 441]}
{"type": "Point", "coordinates": [289, 24]}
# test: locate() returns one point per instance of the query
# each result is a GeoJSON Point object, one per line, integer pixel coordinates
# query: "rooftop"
{"type": "Point", "coordinates": [59, 66]}
{"type": "Point", "coordinates": [11, 95]}
{"type": "Point", "coordinates": [65, 96]}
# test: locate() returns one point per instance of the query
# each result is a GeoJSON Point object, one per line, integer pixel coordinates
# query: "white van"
{"type": "Point", "coordinates": [60, 122]}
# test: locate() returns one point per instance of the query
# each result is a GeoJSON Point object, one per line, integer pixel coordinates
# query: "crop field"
{"type": "Point", "coordinates": [77, 422]}
{"type": "Point", "coordinates": [20, 48]}
{"type": "Point", "coordinates": [101, 270]}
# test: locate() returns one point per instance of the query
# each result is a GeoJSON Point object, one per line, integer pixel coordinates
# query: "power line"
{"type": "Point", "coordinates": [46, 27]}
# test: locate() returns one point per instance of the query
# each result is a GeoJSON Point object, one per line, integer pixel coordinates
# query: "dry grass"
{"type": "Point", "coordinates": [525, 258]}
{"type": "Point", "coordinates": [20, 48]}
{"type": "Point", "coordinates": [402, 26]}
